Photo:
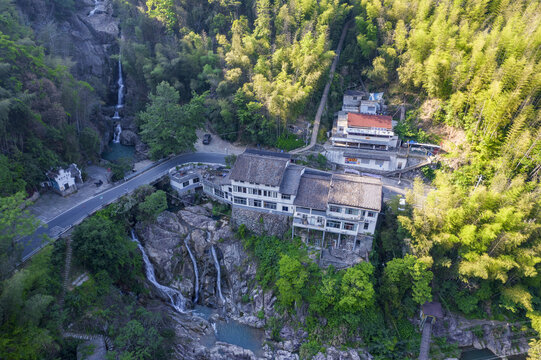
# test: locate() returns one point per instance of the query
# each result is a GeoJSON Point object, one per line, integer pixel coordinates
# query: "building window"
{"type": "Point", "coordinates": [257, 203]}
{"type": "Point", "coordinates": [349, 226]}
{"type": "Point", "coordinates": [229, 189]}
{"type": "Point", "coordinates": [269, 205]}
{"type": "Point", "coordinates": [185, 183]}
{"type": "Point", "coordinates": [355, 98]}
{"type": "Point", "coordinates": [380, 162]}
{"type": "Point", "coordinates": [370, 214]}
{"type": "Point", "coordinates": [333, 224]}
{"type": "Point", "coordinates": [239, 200]}
{"type": "Point", "coordinates": [195, 180]}
{"type": "Point", "coordinates": [285, 208]}
{"type": "Point", "coordinates": [352, 211]}
{"type": "Point", "coordinates": [366, 226]}
{"type": "Point", "coordinates": [219, 193]}
{"type": "Point", "coordinates": [286, 197]}
{"type": "Point", "coordinates": [335, 209]}
{"type": "Point", "coordinates": [363, 213]}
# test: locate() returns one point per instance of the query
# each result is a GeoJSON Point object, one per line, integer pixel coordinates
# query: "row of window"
{"type": "Point", "coordinates": [350, 211]}
{"type": "Point", "coordinates": [345, 225]}
{"type": "Point", "coordinates": [259, 192]}
{"type": "Point", "coordinates": [187, 183]}
{"type": "Point", "coordinates": [258, 203]}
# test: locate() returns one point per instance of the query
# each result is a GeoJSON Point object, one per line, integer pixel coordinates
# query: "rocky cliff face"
{"type": "Point", "coordinates": [88, 40]}
{"type": "Point", "coordinates": [496, 336]}
{"type": "Point", "coordinates": [245, 301]}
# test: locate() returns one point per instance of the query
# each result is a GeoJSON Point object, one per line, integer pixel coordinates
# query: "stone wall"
{"type": "Point", "coordinates": [260, 222]}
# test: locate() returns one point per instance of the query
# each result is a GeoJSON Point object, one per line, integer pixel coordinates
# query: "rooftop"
{"type": "Point", "coordinates": [313, 190]}
{"type": "Point", "coordinates": [260, 167]}
{"type": "Point", "coordinates": [354, 93]}
{"type": "Point", "coordinates": [291, 179]}
{"type": "Point", "coordinates": [356, 191]}
{"type": "Point", "coordinates": [367, 120]}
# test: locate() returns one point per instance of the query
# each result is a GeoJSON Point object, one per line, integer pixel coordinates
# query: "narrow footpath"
{"type": "Point", "coordinates": [325, 95]}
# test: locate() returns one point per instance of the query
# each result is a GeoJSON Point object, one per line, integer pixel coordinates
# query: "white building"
{"type": "Point", "coordinates": [364, 131]}
{"type": "Point", "coordinates": [361, 102]}
{"type": "Point", "coordinates": [339, 204]}
{"type": "Point", "coordinates": [64, 181]}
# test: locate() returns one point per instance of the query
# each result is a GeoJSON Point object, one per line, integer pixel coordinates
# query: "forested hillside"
{"type": "Point", "coordinates": [262, 62]}
{"type": "Point", "coordinates": [473, 66]}
{"type": "Point", "coordinates": [44, 111]}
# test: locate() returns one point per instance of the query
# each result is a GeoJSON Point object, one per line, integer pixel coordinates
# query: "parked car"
{"type": "Point", "coordinates": [206, 139]}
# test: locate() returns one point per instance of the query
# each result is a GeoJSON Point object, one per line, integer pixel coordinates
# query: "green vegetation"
{"type": "Point", "coordinates": [263, 63]}
{"type": "Point", "coordinates": [167, 127]}
{"type": "Point", "coordinates": [472, 65]}
{"type": "Point", "coordinates": [14, 224]}
{"type": "Point", "coordinates": [45, 117]}
{"type": "Point", "coordinates": [153, 205]}
{"type": "Point", "coordinates": [100, 244]}
{"type": "Point", "coordinates": [108, 303]}
{"type": "Point", "coordinates": [342, 305]}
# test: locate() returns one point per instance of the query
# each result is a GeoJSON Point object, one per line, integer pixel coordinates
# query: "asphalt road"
{"type": "Point", "coordinates": [59, 224]}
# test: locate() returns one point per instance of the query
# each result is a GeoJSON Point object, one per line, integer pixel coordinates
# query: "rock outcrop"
{"type": "Point", "coordinates": [496, 336]}
{"type": "Point", "coordinates": [245, 301]}
{"type": "Point", "coordinates": [87, 40]}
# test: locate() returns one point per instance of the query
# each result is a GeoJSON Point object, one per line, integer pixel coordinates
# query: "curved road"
{"type": "Point", "coordinates": [76, 214]}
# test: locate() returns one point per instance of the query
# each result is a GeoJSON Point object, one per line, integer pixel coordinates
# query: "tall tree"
{"type": "Point", "coordinates": [166, 126]}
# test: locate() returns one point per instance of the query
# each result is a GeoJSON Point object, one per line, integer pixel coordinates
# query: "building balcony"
{"type": "Point", "coordinates": [308, 223]}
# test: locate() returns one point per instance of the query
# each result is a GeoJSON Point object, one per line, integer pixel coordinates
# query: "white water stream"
{"type": "Point", "coordinates": [176, 300]}
{"type": "Point", "coordinates": [219, 276]}
{"type": "Point", "coordinates": [194, 269]}
{"type": "Point", "coordinates": [120, 104]}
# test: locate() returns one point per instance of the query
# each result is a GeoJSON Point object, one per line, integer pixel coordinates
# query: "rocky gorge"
{"type": "Point", "coordinates": [246, 306]}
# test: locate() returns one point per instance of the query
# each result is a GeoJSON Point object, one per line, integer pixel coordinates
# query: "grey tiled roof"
{"type": "Point", "coordinates": [291, 179]}
{"type": "Point", "coordinates": [260, 167]}
{"type": "Point", "coordinates": [357, 191]}
{"type": "Point", "coordinates": [313, 191]}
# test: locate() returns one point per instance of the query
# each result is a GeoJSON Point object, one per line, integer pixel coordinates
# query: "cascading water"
{"type": "Point", "coordinates": [219, 276]}
{"type": "Point", "coordinates": [176, 300]}
{"type": "Point", "coordinates": [96, 4]}
{"type": "Point", "coordinates": [116, 136]}
{"type": "Point", "coordinates": [120, 103]}
{"type": "Point", "coordinates": [120, 99]}
{"type": "Point", "coordinates": [194, 270]}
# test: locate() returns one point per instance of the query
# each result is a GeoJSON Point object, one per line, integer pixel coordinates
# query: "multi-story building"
{"type": "Point", "coordinates": [364, 131]}
{"type": "Point", "coordinates": [362, 102]}
{"type": "Point", "coordinates": [336, 204]}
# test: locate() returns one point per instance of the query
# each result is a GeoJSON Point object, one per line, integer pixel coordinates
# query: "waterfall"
{"type": "Point", "coordinates": [120, 100]}
{"type": "Point", "coordinates": [116, 135]}
{"type": "Point", "coordinates": [219, 276]}
{"type": "Point", "coordinates": [97, 4]}
{"type": "Point", "coordinates": [194, 270]}
{"type": "Point", "coordinates": [176, 300]}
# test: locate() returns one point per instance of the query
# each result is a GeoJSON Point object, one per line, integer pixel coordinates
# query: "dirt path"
{"type": "Point", "coordinates": [325, 95]}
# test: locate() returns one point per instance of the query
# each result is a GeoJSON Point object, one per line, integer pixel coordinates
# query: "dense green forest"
{"type": "Point", "coordinates": [262, 62]}
{"type": "Point", "coordinates": [473, 66]}
{"type": "Point", "coordinates": [45, 113]}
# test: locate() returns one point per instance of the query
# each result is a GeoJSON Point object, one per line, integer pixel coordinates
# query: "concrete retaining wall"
{"type": "Point", "coordinates": [260, 222]}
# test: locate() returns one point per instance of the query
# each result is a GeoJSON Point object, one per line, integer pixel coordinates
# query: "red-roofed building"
{"type": "Point", "coordinates": [364, 131]}
{"type": "Point", "coordinates": [370, 121]}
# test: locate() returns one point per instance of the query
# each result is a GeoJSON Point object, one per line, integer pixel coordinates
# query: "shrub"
{"type": "Point", "coordinates": [288, 141]}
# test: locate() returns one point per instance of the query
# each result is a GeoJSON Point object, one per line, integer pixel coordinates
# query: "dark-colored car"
{"type": "Point", "coordinates": [206, 139]}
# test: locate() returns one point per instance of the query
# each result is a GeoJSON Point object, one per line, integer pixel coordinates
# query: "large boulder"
{"type": "Point", "coordinates": [128, 138]}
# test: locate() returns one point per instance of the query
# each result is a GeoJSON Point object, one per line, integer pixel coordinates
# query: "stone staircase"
{"type": "Point", "coordinates": [67, 269]}
{"type": "Point", "coordinates": [69, 334]}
